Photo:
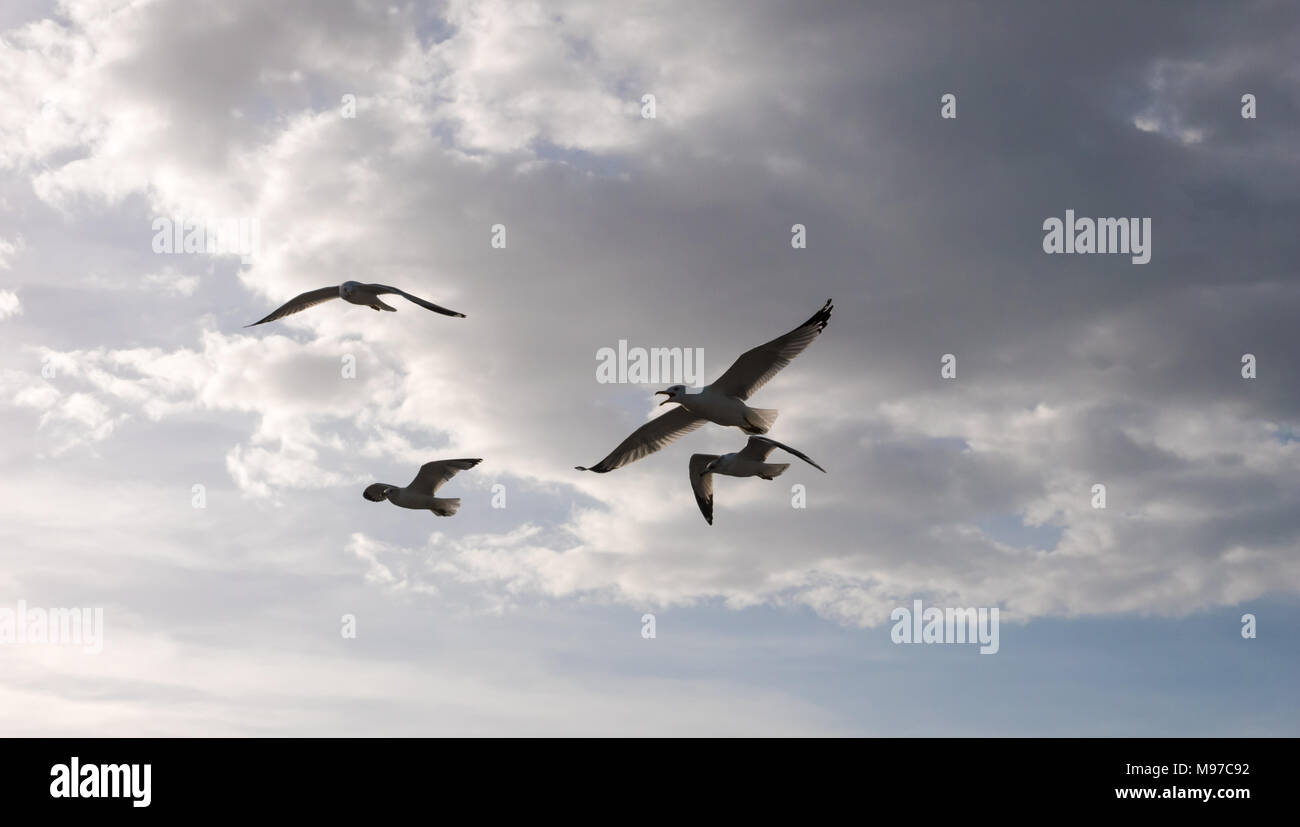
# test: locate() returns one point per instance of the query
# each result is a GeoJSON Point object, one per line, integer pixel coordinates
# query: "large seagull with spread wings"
{"type": "Point", "coordinates": [722, 402]}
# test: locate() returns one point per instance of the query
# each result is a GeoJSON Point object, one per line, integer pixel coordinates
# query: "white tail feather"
{"type": "Point", "coordinates": [772, 470]}
{"type": "Point", "coordinates": [759, 420]}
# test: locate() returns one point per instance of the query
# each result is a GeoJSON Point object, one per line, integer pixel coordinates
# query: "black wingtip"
{"type": "Point", "coordinates": [706, 508]}
{"type": "Point", "coordinates": [821, 317]}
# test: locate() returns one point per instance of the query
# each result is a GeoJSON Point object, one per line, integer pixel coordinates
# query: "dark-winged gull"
{"type": "Point", "coordinates": [354, 292]}
{"type": "Point", "coordinates": [722, 402]}
{"type": "Point", "coordinates": [419, 494]}
{"type": "Point", "coordinates": [750, 461]}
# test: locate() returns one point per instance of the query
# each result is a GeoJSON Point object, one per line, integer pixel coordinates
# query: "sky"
{"type": "Point", "coordinates": [200, 481]}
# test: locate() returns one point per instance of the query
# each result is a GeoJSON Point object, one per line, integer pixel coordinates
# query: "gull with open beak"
{"type": "Point", "coordinates": [722, 402]}
{"type": "Point", "coordinates": [750, 461]}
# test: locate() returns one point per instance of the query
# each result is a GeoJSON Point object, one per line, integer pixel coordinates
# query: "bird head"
{"type": "Point", "coordinates": [674, 394]}
{"type": "Point", "coordinates": [378, 492]}
{"type": "Point", "coordinates": [349, 287]}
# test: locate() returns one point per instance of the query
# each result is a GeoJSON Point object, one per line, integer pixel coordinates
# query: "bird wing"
{"type": "Point", "coordinates": [299, 303]}
{"type": "Point", "coordinates": [647, 439]}
{"type": "Point", "coordinates": [702, 484]}
{"type": "Point", "coordinates": [383, 288]}
{"type": "Point", "coordinates": [759, 447]}
{"type": "Point", "coordinates": [433, 474]}
{"type": "Point", "coordinates": [755, 367]}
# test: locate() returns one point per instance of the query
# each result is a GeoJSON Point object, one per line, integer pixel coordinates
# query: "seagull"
{"type": "Point", "coordinates": [419, 494]}
{"type": "Point", "coordinates": [751, 461]}
{"type": "Point", "coordinates": [722, 402]}
{"type": "Point", "coordinates": [354, 292]}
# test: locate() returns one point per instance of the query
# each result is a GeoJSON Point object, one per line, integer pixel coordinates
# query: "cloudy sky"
{"type": "Point", "coordinates": [127, 377]}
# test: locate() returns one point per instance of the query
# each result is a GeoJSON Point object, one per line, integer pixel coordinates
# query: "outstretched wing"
{"type": "Point", "coordinates": [647, 439]}
{"type": "Point", "coordinates": [759, 447]}
{"type": "Point", "coordinates": [755, 367]}
{"type": "Point", "coordinates": [299, 303]}
{"type": "Point", "coordinates": [702, 484]}
{"type": "Point", "coordinates": [383, 288]}
{"type": "Point", "coordinates": [433, 474]}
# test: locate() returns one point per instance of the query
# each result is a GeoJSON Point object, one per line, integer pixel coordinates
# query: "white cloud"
{"type": "Point", "coordinates": [9, 304]}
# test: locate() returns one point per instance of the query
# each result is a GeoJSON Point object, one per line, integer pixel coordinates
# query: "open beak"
{"type": "Point", "coordinates": [665, 393]}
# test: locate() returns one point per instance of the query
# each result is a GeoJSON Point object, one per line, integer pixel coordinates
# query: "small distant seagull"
{"type": "Point", "coordinates": [751, 461]}
{"type": "Point", "coordinates": [419, 494]}
{"type": "Point", "coordinates": [723, 402]}
{"type": "Point", "coordinates": [354, 292]}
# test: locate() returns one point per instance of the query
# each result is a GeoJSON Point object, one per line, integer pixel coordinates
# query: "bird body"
{"type": "Point", "coordinates": [718, 407]}
{"type": "Point", "coordinates": [363, 294]}
{"type": "Point", "coordinates": [723, 401]}
{"type": "Point", "coordinates": [734, 465]}
{"type": "Point", "coordinates": [442, 506]}
{"type": "Point", "coordinates": [420, 493]}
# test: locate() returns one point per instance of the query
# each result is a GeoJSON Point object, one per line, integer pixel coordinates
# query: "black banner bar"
{"type": "Point", "coordinates": [140, 777]}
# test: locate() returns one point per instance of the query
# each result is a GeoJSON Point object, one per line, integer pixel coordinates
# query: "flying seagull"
{"type": "Point", "coordinates": [419, 494]}
{"type": "Point", "coordinates": [354, 292]}
{"type": "Point", "coordinates": [751, 461]}
{"type": "Point", "coordinates": [723, 402]}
